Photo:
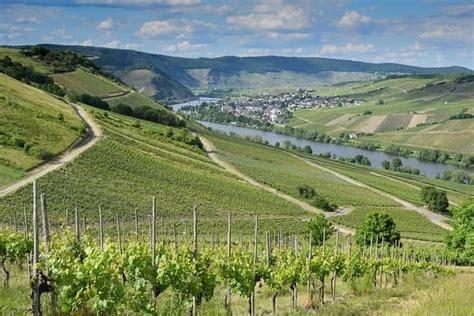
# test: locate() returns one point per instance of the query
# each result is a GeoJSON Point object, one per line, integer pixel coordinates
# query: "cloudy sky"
{"type": "Point", "coordinates": [417, 32]}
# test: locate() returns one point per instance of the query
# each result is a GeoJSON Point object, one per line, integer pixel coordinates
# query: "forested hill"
{"type": "Point", "coordinates": [165, 77]}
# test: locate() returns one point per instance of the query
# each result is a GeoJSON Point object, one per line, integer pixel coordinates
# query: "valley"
{"type": "Point", "coordinates": [132, 185]}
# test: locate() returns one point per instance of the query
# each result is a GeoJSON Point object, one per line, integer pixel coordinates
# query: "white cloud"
{"type": "Point", "coordinates": [352, 19]}
{"type": "Point", "coordinates": [113, 44]}
{"type": "Point", "coordinates": [28, 19]}
{"type": "Point", "coordinates": [106, 24]}
{"type": "Point", "coordinates": [347, 49]}
{"type": "Point", "coordinates": [157, 28]}
{"type": "Point", "coordinates": [272, 15]}
{"type": "Point", "coordinates": [87, 42]}
{"type": "Point", "coordinates": [288, 36]}
{"type": "Point", "coordinates": [184, 46]}
{"type": "Point", "coordinates": [414, 54]}
{"type": "Point", "coordinates": [449, 32]}
{"type": "Point", "coordinates": [138, 2]}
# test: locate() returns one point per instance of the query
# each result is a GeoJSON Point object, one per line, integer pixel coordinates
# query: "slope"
{"type": "Point", "coordinates": [34, 126]}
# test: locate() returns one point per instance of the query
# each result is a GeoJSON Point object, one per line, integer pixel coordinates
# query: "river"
{"type": "Point", "coordinates": [429, 169]}
{"type": "Point", "coordinates": [177, 107]}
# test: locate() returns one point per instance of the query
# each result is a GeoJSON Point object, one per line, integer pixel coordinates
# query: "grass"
{"type": "Point", "coordinates": [130, 165]}
{"type": "Point", "coordinates": [81, 81]}
{"type": "Point", "coordinates": [410, 224]}
{"type": "Point", "coordinates": [134, 99]}
{"type": "Point", "coordinates": [31, 115]}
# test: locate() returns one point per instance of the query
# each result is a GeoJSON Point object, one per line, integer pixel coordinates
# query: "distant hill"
{"type": "Point", "coordinates": [169, 77]}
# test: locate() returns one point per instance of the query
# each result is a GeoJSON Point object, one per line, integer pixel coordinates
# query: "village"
{"type": "Point", "coordinates": [278, 108]}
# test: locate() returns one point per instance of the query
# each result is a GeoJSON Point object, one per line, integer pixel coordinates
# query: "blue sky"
{"type": "Point", "coordinates": [416, 32]}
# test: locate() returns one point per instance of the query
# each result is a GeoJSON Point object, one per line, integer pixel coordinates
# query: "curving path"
{"type": "Point", "coordinates": [211, 152]}
{"type": "Point", "coordinates": [77, 148]}
{"type": "Point", "coordinates": [435, 218]}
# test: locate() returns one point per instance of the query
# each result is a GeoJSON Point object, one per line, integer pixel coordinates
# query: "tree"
{"type": "Point", "coordinates": [320, 229]}
{"type": "Point", "coordinates": [381, 102]}
{"type": "Point", "coordinates": [378, 225]}
{"type": "Point", "coordinates": [386, 164]}
{"type": "Point", "coordinates": [460, 242]}
{"type": "Point", "coordinates": [307, 149]}
{"type": "Point", "coordinates": [396, 163]}
{"type": "Point", "coordinates": [277, 144]}
{"type": "Point", "coordinates": [436, 200]}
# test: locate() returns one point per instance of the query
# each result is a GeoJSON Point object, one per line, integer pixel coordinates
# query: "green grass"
{"type": "Point", "coordinates": [410, 224]}
{"type": "Point", "coordinates": [31, 115]}
{"type": "Point", "coordinates": [134, 99]}
{"type": "Point", "coordinates": [130, 165]}
{"type": "Point", "coordinates": [82, 81]}
{"type": "Point", "coordinates": [282, 171]}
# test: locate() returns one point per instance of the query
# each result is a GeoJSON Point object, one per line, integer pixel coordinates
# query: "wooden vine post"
{"type": "Point", "coordinates": [76, 224]}
{"type": "Point", "coordinates": [334, 277]}
{"type": "Point", "coordinates": [195, 253]}
{"type": "Point", "coordinates": [36, 308]}
{"type": "Point", "coordinates": [255, 258]}
{"type": "Point", "coordinates": [227, 298]}
{"type": "Point", "coordinates": [153, 245]}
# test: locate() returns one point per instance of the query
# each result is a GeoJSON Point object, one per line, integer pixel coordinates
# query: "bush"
{"type": "Point", "coordinates": [321, 202]}
{"type": "Point", "coordinates": [378, 225]}
{"type": "Point", "coordinates": [91, 100]}
{"type": "Point", "coordinates": [436, 200]}
{"type": "Point", "coordinates": [460, 242]}
{"type": "Point", "coordinates": [367, 113]}
{"type": "Point", "coordinates": [40, 153]}
{"type": "Point", "coordinates": [306, 192]}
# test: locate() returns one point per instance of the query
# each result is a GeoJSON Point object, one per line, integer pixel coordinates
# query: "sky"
{"type": "Point", "coordinates": [415, 32]}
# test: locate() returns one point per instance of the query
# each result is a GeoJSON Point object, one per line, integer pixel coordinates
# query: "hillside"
{"type": "Point", "coordinates": [415, 112]}
{"type": "Point", "coordinates": [168, 77]}
{"type": "Point", "coordinates": [34, 126]}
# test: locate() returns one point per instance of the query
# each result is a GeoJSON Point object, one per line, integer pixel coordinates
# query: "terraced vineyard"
{"type": "Point", "coordinates": [130, 164]}
{"type": "Point", "coordinates": [134, 99]}
{"type": "Point", "coordinates": [407, 106]}
{"type": "Point", "coordinates": [81, 81]}
{"type": "Point", "coordinates": [280, 170]}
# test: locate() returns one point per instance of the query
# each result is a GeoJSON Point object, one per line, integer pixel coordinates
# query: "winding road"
{"type": "Point", "coordinates": [211, 152]}
{"type": "Point", "coordinates": [435, 218]}
{"type": "Point", "coordinates": [94, 133]}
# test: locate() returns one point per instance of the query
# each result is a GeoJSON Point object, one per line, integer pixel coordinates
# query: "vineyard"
{"type": "Point", "coordinates": [87, 270]}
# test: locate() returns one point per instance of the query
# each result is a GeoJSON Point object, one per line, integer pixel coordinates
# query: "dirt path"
{"type": "Point", "coordinates": [69, 155]}
{"type": "Point", "coordinates": [435, 218]}
{"type": "Point", "coordinates": [211, 152]}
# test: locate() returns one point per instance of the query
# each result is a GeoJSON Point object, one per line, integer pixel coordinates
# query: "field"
{"type": "Point", "coordinates": [82, 81]}
{"type": "Point", "coordinates": [130, 165]}
{"type": "Point", "coordinates": [280, 170]}
{"type": "Point", "coordinates": [30, 127]}
{"type": "Point", "coordinates": [134, 99]}
{"type": "Point", "coordinates": [407, 102]}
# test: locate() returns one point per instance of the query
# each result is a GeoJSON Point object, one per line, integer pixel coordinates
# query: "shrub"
{"type": "Point", "coordinates": [378, 226]}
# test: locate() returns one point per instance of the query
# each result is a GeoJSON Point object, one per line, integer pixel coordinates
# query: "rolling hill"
{"type": "Point", "coordinates": [166, 77]}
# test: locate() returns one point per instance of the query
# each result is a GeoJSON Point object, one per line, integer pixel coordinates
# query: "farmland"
{"type": "Point", "coordinates": [412, 112]}
{"type": "Point", "coordinates": [134, 99]}
{"type": "Point", "coordinates": [82, 81]}
{"type": "Point", "coordinates": [280, 170]}
{"type": "Point", "coordinates": [129, 165]}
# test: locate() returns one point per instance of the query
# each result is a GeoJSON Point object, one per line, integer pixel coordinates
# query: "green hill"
{"type": "Point", "coordinates": [34, 126]}
{"type": "Point", "coordinates": [414, 112]}
{"type": "Point", "coordinates": [169, 77]}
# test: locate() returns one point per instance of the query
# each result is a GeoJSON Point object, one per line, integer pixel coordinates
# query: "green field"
{"type": "Point", "coordinates": [29, 126]}
{"type": "Point", "coordinates": [81, 81]}
{"type": "Point", "coordinates": [277, 168]}
{"type": "Point", "coordinates": [415, 113]}
{"type": "Point", "coordinates": [130, 165]}
{"type": "Point", "coordinates": [134, 99]}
